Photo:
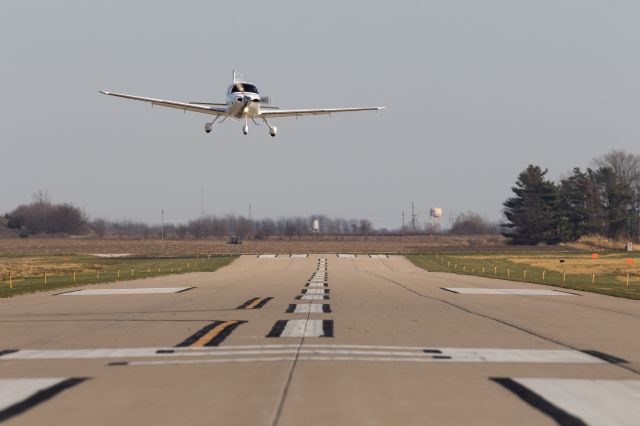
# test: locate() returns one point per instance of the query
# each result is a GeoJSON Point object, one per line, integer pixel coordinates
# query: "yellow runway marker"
{"type": "Point", "coordinates": [255, 303]}
{"type": "Point", "coordinates": [211, 335]}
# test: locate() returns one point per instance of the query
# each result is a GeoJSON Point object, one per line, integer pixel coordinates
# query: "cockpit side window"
{"type": "Point", "coordinates": [244, 87]}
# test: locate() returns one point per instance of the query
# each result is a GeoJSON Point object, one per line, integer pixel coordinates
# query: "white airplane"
{"type": "Point", "coordinates": [243, 102]}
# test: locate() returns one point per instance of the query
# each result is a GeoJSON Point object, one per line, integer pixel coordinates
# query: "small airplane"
{"type": "Point", "coordinates": [243, 102]}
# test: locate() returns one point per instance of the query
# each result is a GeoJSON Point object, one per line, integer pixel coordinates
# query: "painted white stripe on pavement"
{"type": "Point", "coordinates": [596, 402]}
{"type": "Point", "coordinates": [313, 308]}
{"type": "Point", "coordinates": [346, 256]}
{"type": "Point", "coordinates": [508, 291]}
{"type": "Point", "coordinates": [316, 284]}
{"type": "Point", "coordinates": [315, 291]}
{"type": "Point", "coordinates": [123, 291]}
{"type": "Point", "coordinates": [266, 256]}
{"type": "Point", "coordinates": [300, 328]}
{"type": "Point", "coordinates": [313, 297]}
{"type": "Point", "coordinates": [379, 256]}
{"type": "Point", "coordinates": [304, 357]}
{"type": "Point", "coordinates": [13, 391]}
{"type": "Point", "coordinates": [298, 255]}
{"type": "Point", "coordinates": [294, 328]}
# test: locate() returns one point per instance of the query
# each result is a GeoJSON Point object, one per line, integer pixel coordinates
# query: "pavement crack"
{"type": "Point", "coordinates": [503, 322]}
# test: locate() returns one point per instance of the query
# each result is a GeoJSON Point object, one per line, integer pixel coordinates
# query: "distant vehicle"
{"type": "Point", "coordinates": [243, 102]}
{"type": "Point", "coordinates": [234, 239]}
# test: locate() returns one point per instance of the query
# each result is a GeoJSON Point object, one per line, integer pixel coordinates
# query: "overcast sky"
{"type": "Point", "coordinates": [475, 91]}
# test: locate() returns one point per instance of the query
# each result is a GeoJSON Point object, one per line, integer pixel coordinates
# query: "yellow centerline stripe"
{"type": "Point", "coordinates": [211, 334]}
{"type": "Point", "coordinates": [254, 303]}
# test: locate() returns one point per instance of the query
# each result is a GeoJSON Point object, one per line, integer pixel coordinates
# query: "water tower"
{"type": "Point", "coordinates": [436, 214]}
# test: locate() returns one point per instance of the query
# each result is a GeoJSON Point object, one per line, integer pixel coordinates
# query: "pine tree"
{"type": "Point", "coordinates": [533, 213]}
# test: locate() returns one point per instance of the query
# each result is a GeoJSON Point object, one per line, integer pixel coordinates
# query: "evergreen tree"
{"type": "Point", "coordinates": [573, 206]}
{"type": "Point", "coordinates": [533, 213]}
{"type": "Point", "coordinates": [617, 199]}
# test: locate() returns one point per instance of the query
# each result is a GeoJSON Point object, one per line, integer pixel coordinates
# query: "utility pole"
{"type": "Point", "coordinates": [413, 218]}
{"type": "Point", "coordinates": [201, 202]}
{"type": "Point", "coordinates": [250, 223]}
{"type": "Point", "coordinates": [162, 227]}
{"type": "Point", "coordinates": [402, 229]}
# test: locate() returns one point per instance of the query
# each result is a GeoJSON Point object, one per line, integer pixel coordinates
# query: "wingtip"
{"type": "Point", "coordinates": [103, 92]}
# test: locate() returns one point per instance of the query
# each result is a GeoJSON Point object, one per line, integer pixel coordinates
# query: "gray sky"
{"type": "Point", "coordinates": [475, 91]}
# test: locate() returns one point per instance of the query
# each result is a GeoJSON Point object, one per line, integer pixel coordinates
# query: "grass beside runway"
{"type": "Point", "coordinates": [605, 274]}
{"type": "Point", "coordinates": [19, 275]}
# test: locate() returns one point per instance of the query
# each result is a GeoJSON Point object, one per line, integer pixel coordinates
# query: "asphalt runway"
{"type": "Point", "coordinates": [304, 340]}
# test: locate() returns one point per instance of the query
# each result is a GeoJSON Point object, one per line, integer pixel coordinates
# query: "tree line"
{"type": "Point", "coordinates": [601, 200]}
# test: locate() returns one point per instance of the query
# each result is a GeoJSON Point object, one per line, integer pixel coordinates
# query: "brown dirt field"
{"type": "Point", "coordinates": [305, 244]}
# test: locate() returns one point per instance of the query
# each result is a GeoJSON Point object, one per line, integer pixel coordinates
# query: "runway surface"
{"type": "Point", "coordinates": [319, 339]}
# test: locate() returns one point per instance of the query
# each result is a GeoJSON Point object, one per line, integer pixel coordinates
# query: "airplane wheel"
{"type": "Point", "coordinates": [245, 129]}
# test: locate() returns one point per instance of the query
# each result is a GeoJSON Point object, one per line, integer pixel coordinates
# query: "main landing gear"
{"type": "Point", "coordinates": [208, 127]}
{"type": "Point", "coordinates": [273, 130]}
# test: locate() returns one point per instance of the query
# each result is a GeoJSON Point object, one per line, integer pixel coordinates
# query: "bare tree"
{"type": "Point", "coordinates": [625, 166]}
{"type": "Point", "coordinates": [470, 223]}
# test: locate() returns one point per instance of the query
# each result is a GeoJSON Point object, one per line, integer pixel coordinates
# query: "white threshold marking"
{"type": "Point", "coordinates": [299, 255]}
{"type": "Point", "coordinates": [124, 291]}
{"type": "Point", "coordinates": [267, 256]}
{"type": "Point", "coordinates": [13, 391]}
{"type": "Point", "coordinates": [346, 256]}
{"type": "Point", "coordinates": [295, 328]}
{"type": "Point", "coordinates": [596, 402]}
{"type": "Point", "coordinates": [508, 291]}
{"type": "Point", "coordinates": [378, 256]}
{"type": "Point", "coordinates": [316, 284]}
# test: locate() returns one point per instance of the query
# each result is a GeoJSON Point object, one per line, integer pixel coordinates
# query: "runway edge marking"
{"type": "Point", "coordinates": [38, 397]}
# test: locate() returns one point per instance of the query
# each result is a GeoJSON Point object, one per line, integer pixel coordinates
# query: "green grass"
{"type": "Point", "coordinates": [94, 270]}
{"type": "Point", "coordinates": [497, 265]}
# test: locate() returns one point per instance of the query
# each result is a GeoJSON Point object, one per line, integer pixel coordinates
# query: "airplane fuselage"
{"type": "Point", "coordinates": [243, 100]}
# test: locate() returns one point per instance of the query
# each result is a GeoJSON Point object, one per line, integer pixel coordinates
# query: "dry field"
{"type": "Point", "coordinates": [307, 244]}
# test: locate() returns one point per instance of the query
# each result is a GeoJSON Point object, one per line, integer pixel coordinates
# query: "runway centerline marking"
{"type": "Point", "coordinates": [309, 307]}
{"type": "Point", "coordinates": [19, 395]}
{"type": "Point", "coordinates": [580, 401]}
{"type": "Point", "coordinates": [302, 328]}
{"type": "Point", "coordinates": [124, 291]}
{"type": "Point", "coordinates": [508, 291]}
{"type": "Point", "coordinates": [312, 297]}
{"type": "Point", "coordinates": [316, 291]}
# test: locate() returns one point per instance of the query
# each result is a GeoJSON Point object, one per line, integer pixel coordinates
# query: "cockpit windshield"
{"type": "Point", "coordinates": [244, 87]}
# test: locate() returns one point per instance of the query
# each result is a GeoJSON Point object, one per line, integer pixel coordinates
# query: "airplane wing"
{"type": "Point", "coordinates": [185, 106]}
{"type": "Point", "coordinates": [300, 112]}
